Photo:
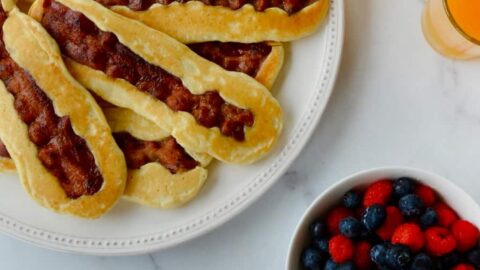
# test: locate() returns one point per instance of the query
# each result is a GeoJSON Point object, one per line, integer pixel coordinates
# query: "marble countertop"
{"type": "Point", "coordinates": [396, 102]}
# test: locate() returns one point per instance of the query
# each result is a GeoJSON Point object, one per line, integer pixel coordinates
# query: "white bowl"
{"type": "Point", "coordinates": [460, 201]}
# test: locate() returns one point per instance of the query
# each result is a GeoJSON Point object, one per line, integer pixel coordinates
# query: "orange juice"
{"type": "Point", "coordinates": [452, 27]}
{"type": "Point", "coordinates": [466, 16]}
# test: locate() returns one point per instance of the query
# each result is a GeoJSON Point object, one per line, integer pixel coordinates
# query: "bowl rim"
{"type": "Point", "coordinates": [347, 181]}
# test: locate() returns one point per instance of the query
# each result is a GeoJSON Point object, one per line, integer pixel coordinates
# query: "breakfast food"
{"type": "Point", "coordinates": [160, 172]}
{"type": "Point", "coordinates": [154, 178]}
{"type": "Point", "coordinates": [54, 131]}
{"type": "Point", "coordinates": [6, 163]}
{"type": "Point", "coordinates": [399, 224]}
{"type": "Point", "coordinates": [162, 184]}
{"type": "Point", "coordinates": [261, 61]}
{"type": "Point", "coordinates": [24, 5]}
{"type": "Point", "coordinates": [240, 21]}
{"type": "Point", "coordinates": [168, 108]}
{"type": "Point", "coordinates": [150, 182]}
{"type": "Point", "coordinates": [236, 122]}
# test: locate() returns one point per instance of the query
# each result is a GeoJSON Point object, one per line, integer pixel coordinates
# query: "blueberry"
{"type": "Point", "coordinates": [366, 234]}
{"type": "Point", "coordinates": [351, 199]}
{"type": "Point", "coordinates": [374, 216]}
{"type": "Point", "coordinates": [330, 265]}
{"type": "Point", "coordinates": [321, 244]}
{"type": "Point", "coordinates": [437, 264]}
{"type": "Point", "coordinates": [403, 186]}
{"type": "Point", "coordinates": [450, 260]}
{"type": "Point", "coordinates": [429, 218]}
{"type": "Point", "coordinates": [313, 259]}
{"type": "Point", "coordinates": [346, 266]}
{"type": "Point", "coordinates": [411, 205]}
{"type": "Point", "coordinates": [474, 257]}
{"type": "Point", "coordinates": [398, 256]}
{"type": "Point", "coordinates": [374, 239]}
{"type": "Point", "coordinates": [422, 262]}
{"type": "Point", "coordinates": [318, 229]}
{"type": "Point", "coordinates": [378, 254]}
{"type": "Point", "coordinates": [350, 227]}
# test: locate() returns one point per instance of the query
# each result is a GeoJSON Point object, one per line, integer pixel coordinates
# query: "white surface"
{"type": "Point", "coordinates": [452, 195]}
{"type": "Point", "coordinates": [396, 103]}
{"type": "Point", "coordinates": [312, 65]}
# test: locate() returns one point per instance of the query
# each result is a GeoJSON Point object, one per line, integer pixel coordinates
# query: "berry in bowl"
{"type": "Point", "coordinates": [389, 218]}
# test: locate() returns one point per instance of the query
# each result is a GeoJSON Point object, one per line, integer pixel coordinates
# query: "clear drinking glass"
{"type": "Point", "coordinates": [452, 27]}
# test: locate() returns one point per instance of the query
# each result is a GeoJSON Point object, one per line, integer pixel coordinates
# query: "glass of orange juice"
{"type": "Point", "coordinates": [452, 27]}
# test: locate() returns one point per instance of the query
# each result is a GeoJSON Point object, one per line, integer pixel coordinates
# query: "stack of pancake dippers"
{"type": "Point", "coordinates": [103, 99]}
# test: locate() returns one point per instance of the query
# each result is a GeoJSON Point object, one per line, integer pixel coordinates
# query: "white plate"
{"type": "Point", "coordinates": [303, 91]}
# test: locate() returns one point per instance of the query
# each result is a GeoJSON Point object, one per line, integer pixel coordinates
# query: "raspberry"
{"type": "Point", "coordinates": [446, 215]}
{"type": "Point", "coordinates": [463, 266]}
{"type": "Point", "coordinates": [393, 220]}
{"type": "Point", "coordinates": [427, 194]}
{"type": "Point", "coordinates": [466, 234]}
{"type": "Point", "coordinates": [362, 256]}
{"type": "Point", "coordinates": [439, 241]}
{"type": "Point", "coordinates": [334, 217]}
{"type": "Point", "coordinates": [378, 193]}
{"type": "Point", "coordinates": [341, 249]}
{"type": "Point", "coordinates": [410, 235]}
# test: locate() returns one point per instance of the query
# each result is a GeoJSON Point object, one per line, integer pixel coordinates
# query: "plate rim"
{"type": "Point", "coordinates": [220, 215]}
